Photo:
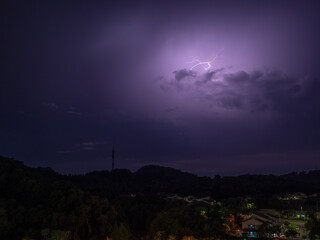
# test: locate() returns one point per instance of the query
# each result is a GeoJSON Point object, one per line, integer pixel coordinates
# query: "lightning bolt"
{"type": "Point", "coordinates": [206, 65]}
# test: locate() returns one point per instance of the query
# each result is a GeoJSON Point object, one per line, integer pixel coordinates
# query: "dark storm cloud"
{"type": "Point", "coordinates": [210, 75]}
{"type": "Point", "coordinates": [274, 91]}
{"type": "Point", "coordinates": [267, 90]}
{"type": "Point", "coordinates": [181, 74]}
{"type": "Point", "coordinates": [260, 90]}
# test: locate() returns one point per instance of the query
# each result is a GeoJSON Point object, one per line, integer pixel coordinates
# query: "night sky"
{"type": "Point", "coordinates": [208, 87]}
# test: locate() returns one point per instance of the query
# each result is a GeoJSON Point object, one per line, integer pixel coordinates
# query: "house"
{"type": "Point", "coordinates": [250, 226]}
{"type": "Point", "coordinates": [256, 219]}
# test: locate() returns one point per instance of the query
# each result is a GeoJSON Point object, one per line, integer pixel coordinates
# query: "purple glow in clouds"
{"type": "Point", "coordinates": [206, 65]}
{"type": "Point", "coordinates": [226, 87]}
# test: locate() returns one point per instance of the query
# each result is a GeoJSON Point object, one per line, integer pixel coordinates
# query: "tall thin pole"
{"type": "Point", "coordinates": [112, 158]}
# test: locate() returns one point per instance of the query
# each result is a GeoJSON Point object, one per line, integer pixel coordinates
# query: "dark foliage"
{"type": "Point", "coordinates": [39, 203]}
{"type": "Point", "coordinates": [155, 180]}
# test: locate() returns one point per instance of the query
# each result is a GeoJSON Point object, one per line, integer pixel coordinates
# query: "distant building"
{"type": "Point", "coordinates": [251, 225]}
{"type": "Point", "coordinates": [256, 219]}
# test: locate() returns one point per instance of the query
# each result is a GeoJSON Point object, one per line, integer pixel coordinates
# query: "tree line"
{"type": "Point", "coordinates": [38, 203]}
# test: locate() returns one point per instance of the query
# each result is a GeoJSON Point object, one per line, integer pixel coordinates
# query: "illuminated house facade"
{"type": "Point", "coordinates": [250, 226]}
{"type": "Point", "coordinates": [253, 222]}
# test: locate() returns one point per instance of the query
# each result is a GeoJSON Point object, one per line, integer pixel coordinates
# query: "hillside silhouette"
{"type": "Point", "coordinates": [155, 180]}
{"type": "Point", "coordinates": [39, 203]}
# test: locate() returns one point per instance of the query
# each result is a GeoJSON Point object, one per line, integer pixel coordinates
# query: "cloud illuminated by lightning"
{"type": "Point", "coordinates": [206, 65]}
